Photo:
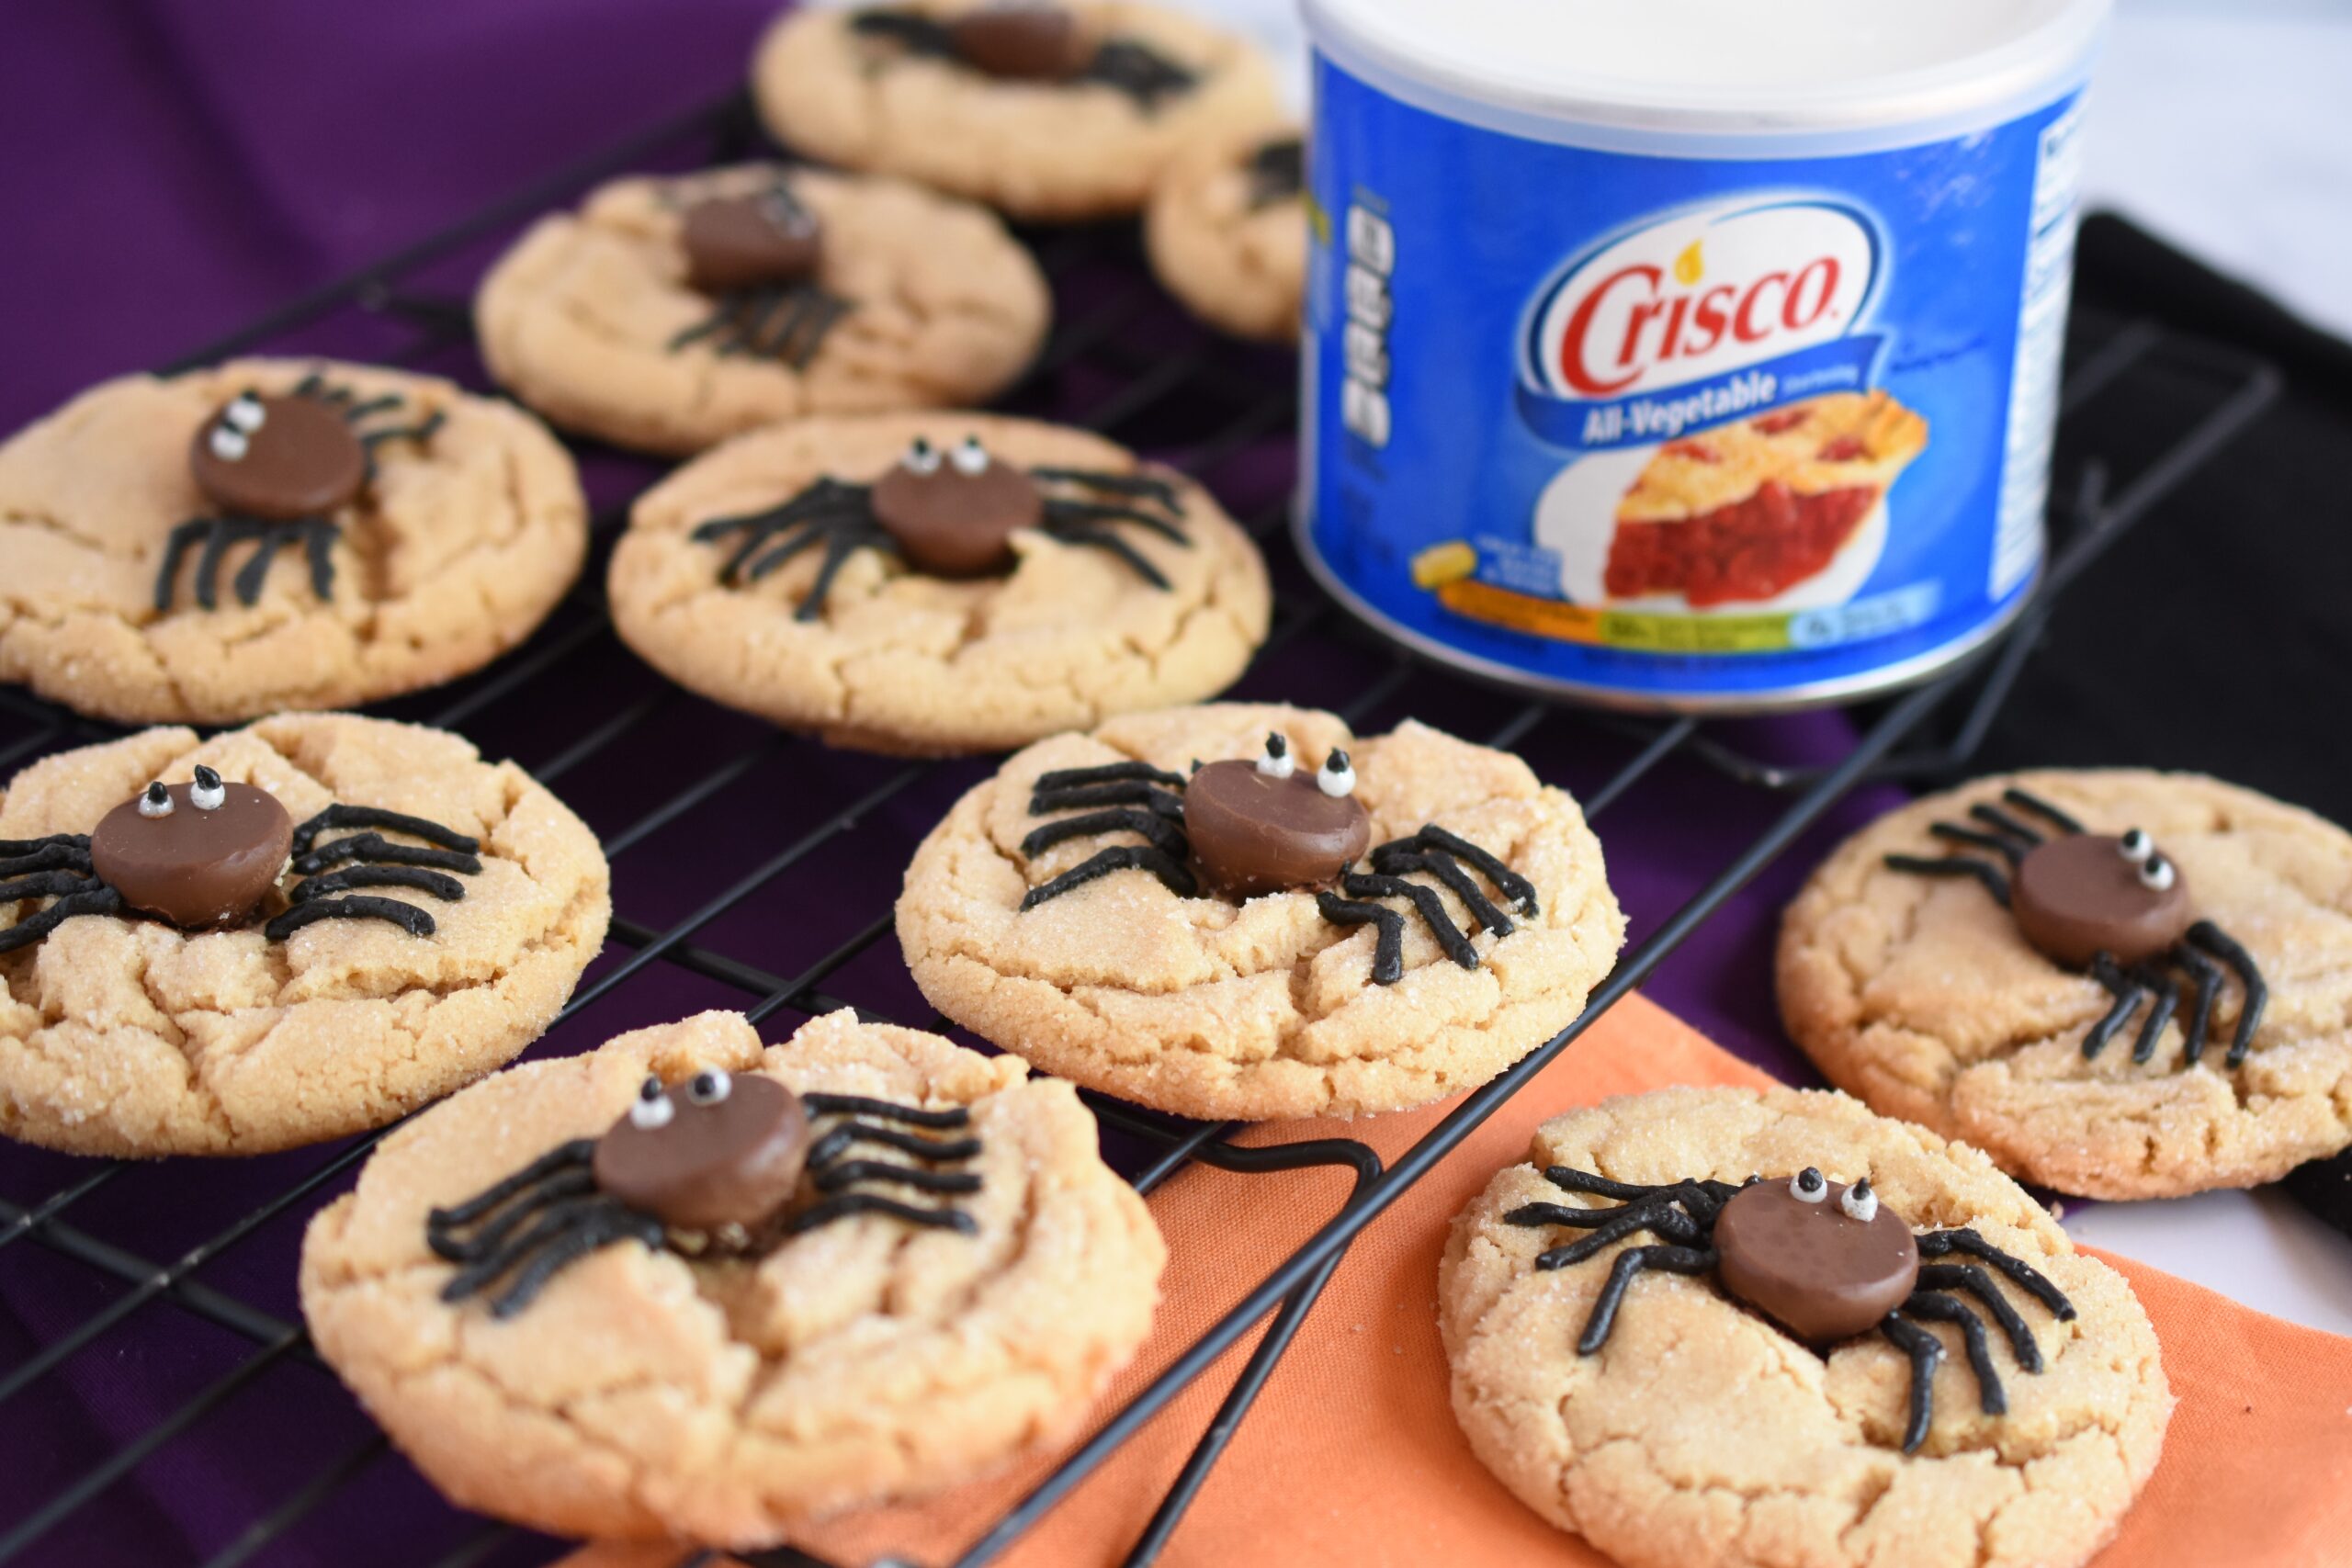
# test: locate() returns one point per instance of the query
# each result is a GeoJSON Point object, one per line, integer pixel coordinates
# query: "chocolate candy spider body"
{"type": "Point", "coordinates": [1824, 1261]}
{"type": "Point", "coordinates": [723, 1165]}
{"type": "Point", "coordinates": [1027, 41]}
{"type": "Point", "coordinates": [1252, 828]}
{"type": "Point", "coordinates": [276, 468]}
{"type": "Point", "coordinates": [758, 257]}
{"type": "Point", "coordinates": [2112, 905]}
{"type": "Point", "coordinates": [949, 515]}
{"type": "Point", "coordinates": [208, 855]}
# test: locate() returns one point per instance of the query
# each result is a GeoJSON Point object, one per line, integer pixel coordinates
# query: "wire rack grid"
{"type": "Point", "coordinates": [726, 836]}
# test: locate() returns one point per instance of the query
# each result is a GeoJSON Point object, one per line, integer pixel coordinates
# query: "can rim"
{"type": "Point", "coordinates": [1533, 95]}
{"type": "Point", "coordinates": [1835, 692]}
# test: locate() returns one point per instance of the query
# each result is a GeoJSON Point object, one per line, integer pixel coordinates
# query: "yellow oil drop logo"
{"type": "Point", "coordinates": [1688, 267]}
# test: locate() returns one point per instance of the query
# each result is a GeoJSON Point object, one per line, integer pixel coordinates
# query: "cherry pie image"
{"type": "Point", "coordinates": [1741, 512]}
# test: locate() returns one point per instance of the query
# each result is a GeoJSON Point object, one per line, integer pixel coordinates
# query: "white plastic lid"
{"type": "Point", "coordinates": [1719, 65]}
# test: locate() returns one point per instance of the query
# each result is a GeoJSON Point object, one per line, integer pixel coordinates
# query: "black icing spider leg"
{"type": "Point", "coordinates": [1926, 1353]}
{"type": "Point", "coordinates": [373, 861]}
{"type": "Point", "coordinates": [1165, 835]}
{"type": "Point", "coordinates": [1609, 1226]}
{"type": "Point", "coordinates": [1174, 874]}
{"type": "Point", "coordinates": [2001, 822]}
{"type": "Point", "coordinates": [531, 1225]}
{"type": "Point", "coordinates": [1969, 1277]}
{"type": "Point", "coordinates": [1144, 486]}
{"type": "Point", "coordinates": [826, 505]}
{"type": "Point", "coordinates": [1076, 520]}
{"type": "Point", "coordinates": [787, 322]}
{"type": "Point", "coordinates": [1138, 69]}
{"type": "Point", "coordinates": [2213, 939]}
{"type": "Point", "coordinates": [1141, 801]}
{"type": "Point", "coordinates": [422, 430]}
{"type": "Point", "coordinates": [55, 867]}
{"type": "Point", "coordinates": [1991, 1397]}
{"type": "Point", "coordinates": [2128, 993]}
{"type": "Point", "coordinates": [834, 1175]}
{"type": "Point", "coordinates": [2059, 819]}
{"type": "Point", "coordinates": [910, 30]}
{"type": "Point", "coordinates": [216, 535]}
{"type": "Point", "coordinates": [1955, 865]}
{"type": "Point", "coordinates": [1425, 902]}
{"type": "Point", "coordinates": [2205, 987]}
{"type": "Point", "coordinates": [839, 546]}
{"type": "Point", "coordinates": [1631, 1263]}
{"type": "Point", "coordinates": [1062, 515]}
{"type": "Point", "coordinates": [1439, 852]}
{"type": "Point", "coordinates": [1103, 539]}
{"type": "Point", "coordinates": [1961, 1239]}
{"type": "Point", "coordinates": [1389, 947]}
{"type": "Point", "coordinates": [2009, 849]}
{"type": "Point", "coordinates": [2167, 993]}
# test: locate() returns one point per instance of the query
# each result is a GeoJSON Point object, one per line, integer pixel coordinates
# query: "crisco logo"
{"type": "Point", "coordinates": [1701, 293]}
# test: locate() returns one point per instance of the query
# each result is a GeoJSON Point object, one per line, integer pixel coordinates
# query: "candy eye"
{"type": "Point", "coordinates": [245, 413]}
{"type": "Point", "coordinates": [922, 456]}
{"type": "Point", "coordinates": [206, 794]}
{"type": "Point", "coordinates": [970, 457]}
{"type": "Point", "coordinates": [227, 444]}
{"type": "Point", "coordinates": [1338, 778]}
{"type": "Point", "coordinates": [156, 802]}
{"type": "Point", "coordinates": [1859, 1202]}
{"type": "Point", "coordinates": [1808, 1186]}
{"type": "Point", "coordinates": [2135, 846]}
{"type": "Point", "coordinates": [2156, 873]}
{"type": "Point", "coordinates": [654, 1108]}
{"type": "Point", "coordinates": [1277, 763]}
{"type": "Point", "coordinates": [710, 1087]}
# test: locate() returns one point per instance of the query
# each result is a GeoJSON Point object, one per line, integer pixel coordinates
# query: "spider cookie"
{"type": "Point", "coordinates": [1047, 111]}
{"type": "Point", "coordinates": [1227, 235]}
{"type": "Point", "coordinates": [671, 314]}
{"type": "Point", "coordinates": [1707, 1326]}
{"type": "Point", "coordinates": [1245, 911]}
{"type": "Point", "coordinates": [2121, 983]}
{"type": "Point", "coordinates": [269, 534]}
{"type": "Point", "coordinates": [284, 933]}
{"type": "Point", "coordinates": [940, 582]}
{"type": "Point", "coordinates": [689, 1285]}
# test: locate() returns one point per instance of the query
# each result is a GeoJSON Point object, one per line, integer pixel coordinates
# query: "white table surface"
{"type": "Point", "coordinates": [2224, 125]}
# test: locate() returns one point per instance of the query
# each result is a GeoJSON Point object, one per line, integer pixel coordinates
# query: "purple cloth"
{"type": "Point", "coordinates": [180, 167]}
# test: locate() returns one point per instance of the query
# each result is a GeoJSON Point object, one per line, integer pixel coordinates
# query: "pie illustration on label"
{"type": "Point", "coordinates": [1742, 513]}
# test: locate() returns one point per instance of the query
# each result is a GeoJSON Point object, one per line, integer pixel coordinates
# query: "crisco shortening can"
{"type": "Point", "coordinates": [1690, 354]}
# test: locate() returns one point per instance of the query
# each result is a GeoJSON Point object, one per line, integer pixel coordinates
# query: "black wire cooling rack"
{"type": "Point", "coordinates": [694, 790]}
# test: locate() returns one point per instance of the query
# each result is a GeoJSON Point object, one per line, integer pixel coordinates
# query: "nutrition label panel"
{"type": "Point", "coordinates": [2041, 341]}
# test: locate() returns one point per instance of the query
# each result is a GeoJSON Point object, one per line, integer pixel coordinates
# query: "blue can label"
{"type": "Point", "coordinates": [1680, 428]}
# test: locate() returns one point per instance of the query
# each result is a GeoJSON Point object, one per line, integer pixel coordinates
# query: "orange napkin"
{"type": "Point", "coordinates": [1352, 1453]}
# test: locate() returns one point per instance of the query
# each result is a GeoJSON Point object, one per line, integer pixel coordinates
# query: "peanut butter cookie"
{"type": "Point", "coordinates": [1226, 233]}
{"type": "Point", "coordinates": [1703, 1328]}
{"type": "Point", "coordinates": [688, 1285]}
{"type": "Point", "coordinates": [669, 313]}
{"type": "Point", "coordinates": [2121, 983]}
{"type": "Point", "coordinates": [937, 582]}
{"type": "Point", "coordinates": [1047, 111]}
{"type": "Point", "coordinates": [174, 986]}
{"type": "Point", "coordinates": [208, 547]}
{"type": "Point", "coordinates": [1308, 924]}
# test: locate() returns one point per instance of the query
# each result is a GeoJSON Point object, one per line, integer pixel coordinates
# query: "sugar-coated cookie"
{"type": "Point", "coordinates": [1309, 924]}
{"type": "Point", "coordinates": [1708, 1327]}
{"type": "Point", "coordinates": [209, 547]}
{"type": "Point", "coordinates": [174, 986]}
{"type": "Point", "coordinates": [669, 313]}
{"type": "Point", "coordinates": [1044, 110]}
{"type": "Point", "coordinates": [688, 1285]}
{"type": "Point", "coordinates": [1227, 235]}
{"type": "Point", "coordinates": [2121, 983]}
{"type": "Point", "coordinates": [937, 582]}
